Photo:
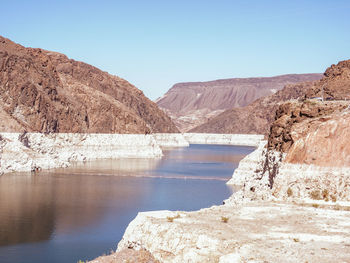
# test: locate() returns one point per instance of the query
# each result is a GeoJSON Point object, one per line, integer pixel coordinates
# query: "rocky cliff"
{"type": "Point", "coordinates": [43, 91]}
{"type": "Point", "coordinates": [307, 153]}
{"type": "Point", "coordinates": [296, 119]}
{"type": "Point", "coordinates": [192, 103]}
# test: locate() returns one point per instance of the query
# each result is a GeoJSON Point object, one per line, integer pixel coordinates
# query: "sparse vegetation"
{"type": "Point", "coordinates": [316, 195]}
{"type": "Point", "coordinates": [325, 195]}
{"type": "Point", "coordinates": [224, 219]}
{"type": "Point", "coordinates": [171, 218]}
{"type": "Point", "coordinates": [289, 192]}
{"type": "Point", "coordinates": [315, 205]}
{"type": "Point", "coordinates": [333, 198]}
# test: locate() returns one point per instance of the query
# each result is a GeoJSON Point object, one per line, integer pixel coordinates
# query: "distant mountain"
{"type": "Point", "coordinates": [193, 103]}
{"type": "Point", "coordinates": [45, 91]}
{"type": "Point", "coordinates": [257, 117]}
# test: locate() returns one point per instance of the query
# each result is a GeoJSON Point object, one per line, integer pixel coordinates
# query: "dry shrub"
{"type": "Point", "coordinates": [224, 219]}
{"type": "Point", "coordinates": [316, 195]}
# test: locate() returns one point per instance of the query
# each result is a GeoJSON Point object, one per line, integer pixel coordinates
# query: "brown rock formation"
{"type": "Point", "coordinates": [47, 92]}
{"type": "Point", "coordinates": [257, 117]}
{"type": "Point", "coordinates": [313, 131]}
{"type": "Point", "coordinates": [190, 104]}
{"type": "Point", "coordinates": [325, 144]}
{"type": "Point", "coordinates": [335, 84]}
{"type": "Point", "coordinates": [298, 119]}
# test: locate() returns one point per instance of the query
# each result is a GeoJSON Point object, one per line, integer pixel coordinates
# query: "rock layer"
{"type": "Point", "coordinates": [294, 119]}
{"type": "Point", "coordinates": [257, 232]}
{"type": "Point", "coordinates": [43, 91]}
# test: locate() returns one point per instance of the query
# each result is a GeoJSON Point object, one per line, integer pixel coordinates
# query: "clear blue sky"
{"type": "Point", "coordinates": [154, 44]}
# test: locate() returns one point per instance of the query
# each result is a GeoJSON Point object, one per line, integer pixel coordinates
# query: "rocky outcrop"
{"type": "Point", "coordinates": [335, 84]}
{"type": "Point", "coordinates": [326, 143]}
{"type": "Point", "coordinates": [191, 104]}
{"type": "Point", "coordinates": [256, 232]}
{"type": "Point", "coordinates": [43, 91]}
{"type": "Point", "coordinates": [295, 119]}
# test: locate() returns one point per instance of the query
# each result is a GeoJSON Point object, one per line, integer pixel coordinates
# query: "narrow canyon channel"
{"type": "Point", "coordinates": [81, 212]}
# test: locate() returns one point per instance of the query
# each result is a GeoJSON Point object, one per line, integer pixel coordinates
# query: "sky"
{"type": "Point", "coordinates": [155, 44]}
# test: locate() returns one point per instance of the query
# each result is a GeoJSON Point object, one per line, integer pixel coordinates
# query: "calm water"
{"type": "Point", "coordinates": [82, 212]}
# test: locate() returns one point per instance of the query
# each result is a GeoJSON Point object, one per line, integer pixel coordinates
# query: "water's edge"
{"type": "Point", "coordinates": [36, 151]}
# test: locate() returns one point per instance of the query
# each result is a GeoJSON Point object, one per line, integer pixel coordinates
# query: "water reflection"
{"type": "Point", "coordinates": [119, 167]}
{"type": "Point", "coordinates": [26, 211]}
{"type": "Point", "coordinates": [34, 207]}
{"type": "Point", "coordinates": [69, 214]}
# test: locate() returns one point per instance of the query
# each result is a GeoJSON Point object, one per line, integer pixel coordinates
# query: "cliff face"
{"type": "Point", "coordinates": [312, 131]}
{"type": "Point", "coordinates": [190, 104]}
{"type": "Point", "coordinates": [296, 119]}
{"type": "Point", "coordinates": [326, 145]}
{"type": "Point", "coordinates": [47, 92]}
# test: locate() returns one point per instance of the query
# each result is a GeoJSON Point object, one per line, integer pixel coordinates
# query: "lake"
{"type": "Point", "coordinates": [81, 212]}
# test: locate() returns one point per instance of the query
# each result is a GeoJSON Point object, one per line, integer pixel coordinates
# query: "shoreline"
{"type": "Point", "coordinates": [25, 152]}
{"type": "Point", "coordinates": [235, 231]}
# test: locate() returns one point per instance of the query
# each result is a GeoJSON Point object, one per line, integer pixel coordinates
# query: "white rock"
{"type": "Point", "coordinates": [59, 150]}
{"type": "Point", "coordinates": [228, 139]}
{"type": "Point", "coordinates": [171, 139]}
{"type": "Point", "coordinates": [230, 258]}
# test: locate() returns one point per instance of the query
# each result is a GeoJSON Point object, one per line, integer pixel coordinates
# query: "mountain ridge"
{"type": "Point", "coordinates": [192, 103]}
{"type": "Point", "coordinates": [45, 91]}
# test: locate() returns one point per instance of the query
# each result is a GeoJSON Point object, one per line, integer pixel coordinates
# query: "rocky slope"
{"type": "Point", "coordinates": [257, 117]}
{"type": "Point", "coordinates": [254, 118]}
{"type": "Point", "coordinates": [43, 91]}
{"type": "Point", "coordinates": [190, 104]}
